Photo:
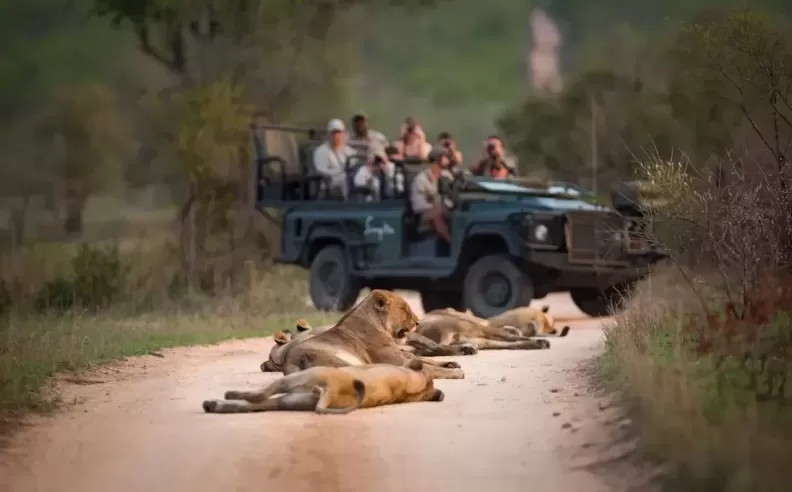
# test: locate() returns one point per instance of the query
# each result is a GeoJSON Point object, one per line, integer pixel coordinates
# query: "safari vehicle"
{"type": "Point", "coordinates": [511, 241]}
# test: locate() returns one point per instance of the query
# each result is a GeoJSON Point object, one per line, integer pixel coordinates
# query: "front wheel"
{"type": "Point", "coordinates": [331, 284]}
{"type": "Point", "coordinates": [432, 300]}
{"type": "Point", "coordinates": [494, 284]}
{"type": "Point", "coordinates": [602, 302]}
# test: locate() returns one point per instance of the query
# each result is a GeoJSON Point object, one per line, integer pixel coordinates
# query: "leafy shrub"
{"type": "Point", "coordinates": [96, 278]}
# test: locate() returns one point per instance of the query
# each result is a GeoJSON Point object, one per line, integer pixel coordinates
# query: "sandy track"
{"type": "Point", "coordinates": [521, 420]}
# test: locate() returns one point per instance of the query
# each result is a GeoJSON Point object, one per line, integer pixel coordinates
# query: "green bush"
{"type": "Point", "coordinates": [96, 277]}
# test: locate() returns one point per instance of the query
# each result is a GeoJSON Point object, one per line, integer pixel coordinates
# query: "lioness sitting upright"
{"type": "Point", "coordinates": [334, 390]}
{"type": "Point", "coordinates": [366, 334]}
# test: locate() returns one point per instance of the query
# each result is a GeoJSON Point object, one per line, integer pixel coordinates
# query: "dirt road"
{"type": "Point", "coordinates": [520, 420]}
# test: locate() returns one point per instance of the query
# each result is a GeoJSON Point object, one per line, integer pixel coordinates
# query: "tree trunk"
{"type": "Point", "coordinates": [187, 240]}
{"type": "Point", "coordinates": [75, 206]}
{"type": "Point", "coordinates": [18, 223]}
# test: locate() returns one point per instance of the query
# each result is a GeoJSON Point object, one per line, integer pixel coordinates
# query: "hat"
{"type": "Point", "coordinates": [335, 125]}
{"type": "Point", "coordinates": [437, 152]}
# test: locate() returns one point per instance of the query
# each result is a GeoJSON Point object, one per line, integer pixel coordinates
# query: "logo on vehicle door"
{"type": "Point", "coordinates": [381, 231]}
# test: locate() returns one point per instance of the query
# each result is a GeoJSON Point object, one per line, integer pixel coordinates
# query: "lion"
{"type": "Point", "coordinates": [283, 340]}
{"type": "Point", "coordinates": [333, 390]}
{"type": "Point", "coordinates": [412, 342]}
{"type": "Point", "coordinates": [366, 334]}
{"type": "Point", "coordinates": [450, 327]}
{"type": "Point", "coordinates": [529, 321]}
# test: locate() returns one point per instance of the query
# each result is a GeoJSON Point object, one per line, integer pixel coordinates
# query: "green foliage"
{"type": "Point", "coordinates": [555, 133]}
{"type": "Point", "coordinates": [710, 390]}
{"type": "Point", "coordinates": [96, 278]}
{"type": "Point", "coordinates": [91, 135]}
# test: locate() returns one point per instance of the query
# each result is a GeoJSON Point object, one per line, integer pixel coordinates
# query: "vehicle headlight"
{"type": "Point", "coordinates": [541, 233]}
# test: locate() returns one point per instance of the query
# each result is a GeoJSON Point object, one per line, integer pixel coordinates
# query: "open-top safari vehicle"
{"type": "Point", "coordinates": [512, 241]}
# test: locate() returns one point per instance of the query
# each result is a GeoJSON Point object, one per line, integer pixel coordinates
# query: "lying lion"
{"type": "Point", "coordinates": [529, 321]}
{"type": "Point", "coordinates": [451, 327]}
{"type": "Point", "coordinates": [412, 342]}
{"type": "Point", "coordinates": [332, 390]}
{"type": "Point", "coordinates": [366, 334]}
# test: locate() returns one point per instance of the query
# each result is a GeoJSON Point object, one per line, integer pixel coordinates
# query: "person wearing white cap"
{"type": "Point", "coordinates": [330, 158]}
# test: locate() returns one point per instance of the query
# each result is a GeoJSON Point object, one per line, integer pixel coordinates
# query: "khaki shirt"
{"type": "Point", "coordinates": [424, 193]}
{"type": "Point", "coordinates": [372, 140]}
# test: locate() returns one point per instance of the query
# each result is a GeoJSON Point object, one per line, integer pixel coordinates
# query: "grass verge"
{"type": "Point", "coordinates": [35, 347]}
{"type": "Point", "coordinates": [711, 392]}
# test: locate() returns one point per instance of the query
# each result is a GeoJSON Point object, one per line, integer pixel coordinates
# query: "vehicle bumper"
{"type": "Point", "coordinates": [565, 274]}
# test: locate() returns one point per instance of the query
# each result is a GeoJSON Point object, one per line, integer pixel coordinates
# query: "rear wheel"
{"type": "Point", "coordinates": [602, 302]}
{"type": "Point", "coordinates": [331, 284]}
{"type": "Point", "coordinates": [494, 284]}
{"type": "Point", "coordinates": [431, 300]}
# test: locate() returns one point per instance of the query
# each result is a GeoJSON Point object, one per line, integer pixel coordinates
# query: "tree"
{"type": "Point", "coordinates": [91, 141]}
{"type": "Point", "coordinates": [554, 133]}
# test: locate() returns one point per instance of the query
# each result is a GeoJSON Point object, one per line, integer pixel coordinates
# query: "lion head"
{"type": "Point", "coordinates": [393, 311]}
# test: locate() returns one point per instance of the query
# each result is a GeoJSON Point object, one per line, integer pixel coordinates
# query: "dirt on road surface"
{"type": "Point", "coordinates": [520, 420]}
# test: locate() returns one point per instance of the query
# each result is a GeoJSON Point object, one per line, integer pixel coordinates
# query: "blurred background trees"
{"type": "Point", "coordinates": [121, 114]}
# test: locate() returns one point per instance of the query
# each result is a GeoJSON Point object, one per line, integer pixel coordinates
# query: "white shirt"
{"type": "Point", "coordinates": [367, 178]}
{"type": "Point", "coordinates": [332, 163]}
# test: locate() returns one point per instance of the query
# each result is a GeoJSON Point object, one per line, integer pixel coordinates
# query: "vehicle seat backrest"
{"type": "Point", "coordinates": [284, 145]}
{"type": "Point", "coordinates": [306, 152]}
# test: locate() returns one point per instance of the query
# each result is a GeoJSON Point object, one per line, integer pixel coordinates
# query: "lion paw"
{"type": "Point", "coordinates": [543, 344]}
{"type": "Point", "coordinates": [469, 349]}
{"type": "Point", "coordinates": [210, 406]}
{"type": "Point", "coordinates": [451, 365]}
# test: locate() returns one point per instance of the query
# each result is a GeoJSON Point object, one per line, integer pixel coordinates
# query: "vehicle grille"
{"type": "Point", "coordinates": [596, 238]}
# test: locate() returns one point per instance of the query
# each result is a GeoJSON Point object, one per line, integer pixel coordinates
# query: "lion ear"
{"type": "Point", "coordinates": [282, 337]}
{"type": "Point", "coordinates": [468, 311]}
{"type": "Point", "coordinates": [303, 325]}
{"type": "Point", "coordinates": [415, 365]}
{"type": "Point", "coordinates": [545, 309]}
{"type": "Point", "coordinates": [381, 300]}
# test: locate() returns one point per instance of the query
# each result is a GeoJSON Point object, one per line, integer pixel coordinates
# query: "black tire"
{"type": "Point", "coordinates": [431, 300]}
{"type": "Point", "coordinates": [494, 284]}
{"type": "Point", "coordinates": [602, 302]}
{"type": "Point", "coordinates": [330, 282]}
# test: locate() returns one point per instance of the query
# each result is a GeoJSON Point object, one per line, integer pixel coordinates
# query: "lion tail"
{"type": "Point", "coordinates": [360, 393]}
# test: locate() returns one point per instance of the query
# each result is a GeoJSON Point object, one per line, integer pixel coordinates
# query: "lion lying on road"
{"type": "Point", "coordinates": [334, 390]}
{"type": "Point", "coordinates": [529, 321]}
{"type": "Point", "coordinates": [412, 342]}
{"type": "Point", "coordinates": [366, 334]}
{"type": "Point", "coordinates": [451, 327]}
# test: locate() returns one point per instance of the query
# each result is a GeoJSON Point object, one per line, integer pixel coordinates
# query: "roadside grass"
{"type": "Point", "coordinates": [711, 394]}
{"type": "Point", "coordinates": [36, 345]}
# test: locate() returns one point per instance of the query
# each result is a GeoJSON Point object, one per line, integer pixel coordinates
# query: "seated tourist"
{"type": "Point", "coordinates": [329, 159]}
{"type": "Point", "coordinates": [412, 143]}
{"type": "Point", "coordinates": [362, 138]}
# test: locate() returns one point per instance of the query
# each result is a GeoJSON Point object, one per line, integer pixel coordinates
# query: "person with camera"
{"type": "Point", "coordinates": [412, 144]}
{"type": "Point", "coordinates": [494, 163]}
{"type": "Point", "coordinates": [425, 198]}
{"type": "Point", "coordinates": [455, 156]}
{"type": "Point", "coordinates": [378, 176]}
